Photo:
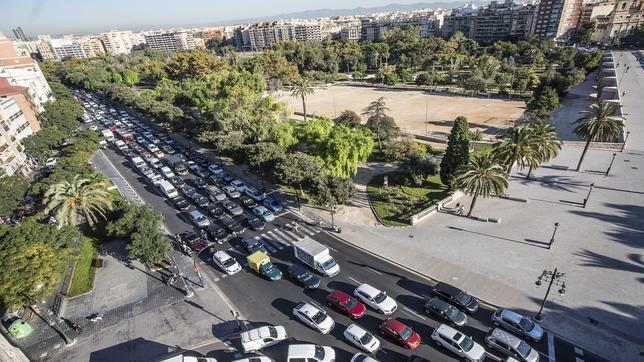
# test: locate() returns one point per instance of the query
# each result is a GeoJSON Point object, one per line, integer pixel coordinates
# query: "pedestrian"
{"type": "Point", "coordinates": [204, 235]}
{"type": "Point", "coordinates": [177, 237]}
{"type": "Point", "coordinates": [96, 317]}
{"type": "Point", "coordinates": [76, 328]}
{"type": "Point", "coordinates": [623, 93]}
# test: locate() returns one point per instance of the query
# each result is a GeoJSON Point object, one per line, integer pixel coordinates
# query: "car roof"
{"type": "Point", "coordinates": [356, 330]}
{"type": "Point", "coordinates": [447, 288]}
{"type": "Point", "coordinates": [340, 295]}
{"type": "Point", "coordinates": [301, 350]}
{"type": "Point", "coordinates": [222, 255]}
{"type": "Point", "coordinates": [261, 208]}
{"type": "Point", "coordinates": [506, 337]}
{"type": "Point", "coordinates": [368, 289]}
{"type": "Point", "coordinates": [395, 324]}
{"type": "Point", "coordinates": [307, 309]}
{"type": "Point", "coordinates": [439, 303]}
{"type": "Point", "coordinates": [298, 268]}
{"type": "Point", "coordinates": [449, 332]}
{"type": "Point", "coordinates": [511, 315]}
{"type": "Point", "coordinates": [196, 213]}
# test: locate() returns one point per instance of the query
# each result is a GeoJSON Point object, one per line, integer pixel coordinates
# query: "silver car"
{"type": "Point", "coordinates": [232, 208]}
{"type": "Point", "coordinates": [518, 324]}
{"type": "Point", "coordinates": [511, 345]}
{"type": "Point", "coordinates": [231, 192]}
{"type": "Point", "coordinates": [215, 193]}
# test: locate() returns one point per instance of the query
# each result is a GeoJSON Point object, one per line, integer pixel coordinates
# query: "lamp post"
{"type": "Point", "coordinates": [186, 289]}
{"type": "Point", "coordinates": [588, 196]}
{"type": "Point", "coordinates": [51, 323]}
{"type": "Point", "coordinates": [625, 139]}
{"type": "Point", "coordinates": [550, 277]}
{"type": "Point", "coordinates": [552, 239]}
{"type": "Point", "coordinates": [611, 164]}
{"type": "Point", "coordinates": [194, 261]}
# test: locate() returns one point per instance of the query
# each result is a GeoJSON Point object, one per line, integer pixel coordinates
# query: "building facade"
{"type": "Point", "coordinates": [557, 19]}
{"type": "Point", "coordinates": [17, 120]}
{"type": "Point", "coordinates": [624, 16]}
{"type": "Point", "coordinates": [264, 35]}
{"type": "Point", "coordinates": [170, 41]}
{"type": "Point", "coordinates": [118, 42]}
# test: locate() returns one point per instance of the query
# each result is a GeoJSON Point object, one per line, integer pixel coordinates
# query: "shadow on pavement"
{"type": "Point", "coordinates": [139, 349]}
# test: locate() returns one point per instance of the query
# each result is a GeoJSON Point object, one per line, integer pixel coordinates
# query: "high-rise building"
{"type": "Point", "coordinates": [19, 34]}
{"type": "Point", "coordinates": [21, 70]}
{"type": "Point", "coordinates": [351, 32]}
{"type": "Point", "coordinates": [17, 121]}
{"type": "Point", "coordinates": [460, 20]}
{"type": "Point", "coordinates": [46, 50]}
{"type": "Point", "coordinates": [264, 35]}
{"type": "Point", "coordinates": [170, 41]}
{"type": "Point", "coordinates": [499, 21]}
{"type": "Point", "coordinates": [557, 19]}
{"type": "Point", "coordinates": [373, 28]}
{"type": "Point", "coordinates": [93, 46]}
{"type": "Point", "coordinates": [624, 16]}
{"type": "Point", "coordinates": [67, 48]}
{"type": "Point", "coordinates": [118, 42]}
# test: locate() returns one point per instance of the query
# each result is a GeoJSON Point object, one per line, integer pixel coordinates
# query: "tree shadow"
{"type": "Point", "coordinates": [554, 182]}
{"type": "Point", "coordinates": [626, 220]}
{"type": "Point", "coordinates": [593, 259]}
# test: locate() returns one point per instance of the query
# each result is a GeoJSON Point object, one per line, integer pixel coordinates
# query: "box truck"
{"type": "Point", "coordinates": [316, 256]}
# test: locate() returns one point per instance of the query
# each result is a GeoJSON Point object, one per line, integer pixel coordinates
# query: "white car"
{"type": "Point", "coordinates": [258, 338]}
{"type": "Point", "coordinates": [361, 357]}
{"type": "Point", "coordinates": [310, 353]}
{"type": "Point", "coordinates": [167, 172]}
{"type": "Point", "coordinates": [314, 317]}
{"type": "Point", "coordinates": [226, 262]}
{"type": "Point", "coordinates": [93, 127]}
{"type": "Point", "coordinates": [239, 185]}
{"type": "Point", "coordinates": [458, 343]}
{"type": "Point", "coordinates": [254, 359]}
{"type": "Point", "coordinates": [50, 162]}
{"type": "Point", "coordinates": [376, 299]}
{"type": "Point", "coordinates": [361, 338]}
{"type": "Point", "coordinates": [215, 169]}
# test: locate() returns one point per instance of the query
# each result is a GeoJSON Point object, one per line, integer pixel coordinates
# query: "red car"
{"type": "Point", "coordinates": [346, 304]}
{"type": "Point", "coordinates": [400, 332]}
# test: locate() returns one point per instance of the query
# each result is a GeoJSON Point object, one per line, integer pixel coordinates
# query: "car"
{"type": "Point", "coordinates": [247, 202]}
{"type": "Point", "coordinates": [168, 141]}
{"type": "Point", "coordinates": [400, 332]}
{"type": "Point", "coordinates": [252, 245]}
{"type": "Point", "coordinates": [446, 311]}
{"type": "Point", "coordinates": [180, 203]}
{"type": "Point", "coordinates": [232, 225]}
{"type": "Point", "coordinates": [202, 162]}
{"type": "Point", "coordinates": [239, 185]}
{"type": "Point", "coordinates": [254, 359]}
{"type": "Point", "coordinates": [255, 223]}
{"type": "Point", "coordinates": [201, 172]}
{"type": "Point", "coordinates": [201, 201]}
{"type": "Point", "coordinates": [362, 339]}
{"type": "Point", "coordinates": [227, 178]}
{"type": "Point", "coordinates": [456, 296]}
{"type": "Point", "coordinates": [198, 182]}
{"type": "Point", "coordinates": [215, 169]}
{"type": "Point", "coordinates": [510, 345]}
{"type": "Point", "coordinates": [167, 172]}
{"type": "Point", "coordinates": [93, 127]}
{"type": "Point", "coordinates": [215, 193]}
{"type": "Point", "coordinates": [226, 262]}
{"type": "Point", "coordinates": [314, 317]}
{"type": "Point", "coordinates": [50, 162]}
{"type": "Point", "coordinates": [376, 299]}
{"type": "Point", "coordinates": [518, 324]}
{"type": "Point", "coordinates": [303, 276]}
{"type": "Point", "coordinates": [458, 343]}
{"type": "Point", "coordinates": [346, 304]}
{"type": "Point", "coordinates": [263, 213]}
{"type": "Point", "coordinates": [272, 204]}
{"type": "Point", "coordinates": [217, 233]}
{"type": "Point", "coordinates": [258, 338]}
{"type": "Point", "coordinates": [180, 169]}
{"type": "Point", "coordinates": [200, 220]}
{"type": "Point", "coordinates": [255, 194]}
{"type": "Point", "coordinates": [159, 154]}
{"type": "Point", "coordinates": [232, 208]}
{"type": "Point", "coordinates": [310, 353]}
{"type": "Point", "coordinates": [187, 190]}
{"type": "Point", "coordinates": [168, 149]}
{"type": "Point", "coordinates": [193, 240]}
{"type": "Point", "coordinates": [361, 357]}
{"type": "Point", "coordinates": [217, 211]}
{"type": "Point", "coordinates": [415, 358]}
{"type": "Point", "coordinates": [217, 181]}
{"type": "Point", "coordinates": [192, 166]}
{"type": "Point", "coordinates": [177, 181]}
{"type": "Point", "coordinates": [231, 192]}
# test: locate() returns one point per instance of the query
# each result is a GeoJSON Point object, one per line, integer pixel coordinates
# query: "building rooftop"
{"type": "Point", "coordinates": [7, 89]}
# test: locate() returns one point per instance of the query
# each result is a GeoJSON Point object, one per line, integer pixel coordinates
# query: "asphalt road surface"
{"type": "Point", "coordinates": [264, 302]}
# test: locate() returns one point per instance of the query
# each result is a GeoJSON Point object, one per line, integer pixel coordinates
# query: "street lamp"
{"type": "Point", "coordinates": [625, 139]}
{"type": "Point", "coordinates": [611, 164]}
{"type": "Point", "coordinates": [552, 239]}
{"type": "Point", "coordinates": [187, 290]}
{"type": "Point", "coordinates": [194, 261]}
{"type": "Point", "coordinates": [51, 323]}
{"type": "Point", "coordinates": [588, 196]}
{"type": "Point", "coordinates": [550, 277]}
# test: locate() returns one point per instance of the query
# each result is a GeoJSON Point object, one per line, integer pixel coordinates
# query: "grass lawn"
{"type": "Point", "coordinates": [83, 277]}
{"type": "Point", "coordinates": [396, 203]}
{"type": "Point", "coordinates": [480, 149]}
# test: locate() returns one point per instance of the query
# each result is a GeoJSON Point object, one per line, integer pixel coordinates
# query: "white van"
{"type": "Point", "coordinates": [261, 337]}
{"type": "Point", "coordinates": [310, 353]}
{"type": "Point", "coordinates": [107, 135]}
{"type": "Point", "coordinates": [138, 162]}
{"type": "Point", "coordinates": [120, 145]}
{"type": "Point", "coordinates": [167, 189]}
{"type": "Point", "coordinates": [155, 163]}
{"type": "Point", "coordinates": [167, 172]}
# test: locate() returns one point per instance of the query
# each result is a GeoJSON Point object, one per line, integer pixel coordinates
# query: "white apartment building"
{"type": "Point", "coordinates": [14, 127]}
{"type": "Point", "coordinates": [170, 41]}
{"type": "Point", "coordinates": [118, 42]}
{"type": "Point", "coordinates": [67, 48]}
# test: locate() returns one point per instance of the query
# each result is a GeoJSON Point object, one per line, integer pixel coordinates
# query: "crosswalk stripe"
{"type": "Point", "coordinates": [309, 231]}
{"type": "Point", "coordinates": [291, 234]}
{"type": "Point", "coordinates": [276, 238]}
{"type": "Point", "coordinates": [266, 243]}
{"type": "Point", "coordinates": [281, 234]}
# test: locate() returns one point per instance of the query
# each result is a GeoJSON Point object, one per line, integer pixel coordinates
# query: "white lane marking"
{"type": "Point", "coordinates": [354, 280]}
{"type": "Point", "coordinates": [279, 235]}
{"type": "Point", "coordinates": [425, 296]}
{"type": "Point", "coordinates": [579, 351]}
{"type": "Point", "coordinates": [551, 348]}
{"type": "Point", "coordinates": [373, 270]}
{"type": "Point", "coordinates": [291, 234]}
{"type": "Point", "coordinates": [414, 313]}
{"type": "Point", "coordinates": [275, 238]}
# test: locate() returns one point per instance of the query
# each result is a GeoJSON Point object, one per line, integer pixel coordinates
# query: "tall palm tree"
{"type": "Point", "coordinates": [598, 124]}
{"type": "Point", "coordinates": [302, 88]}
{"type": "Point", "coordinates": [376, 112]}
{"type": "Point", "coordinates": [517, 147]}
{"type": "Point", "coordinates": [546, 142]}
{"type": "Point", "coordinates": [482, 176]}
{"type": "Point", "coordinates": [81, 196]}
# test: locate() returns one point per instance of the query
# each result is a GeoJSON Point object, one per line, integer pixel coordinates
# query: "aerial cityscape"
{"type": "Point", "coordinates": [301, 181]}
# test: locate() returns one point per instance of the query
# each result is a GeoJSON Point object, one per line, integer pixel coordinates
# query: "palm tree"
{"type": "Point", "coordinates": [546, 142]}
{"type": "Point", "coordinates": [598, 124]}
{"type": "Point", "coordinates": [517, 146]}
{"type": "Point", "coordinates": [81, 196]}
{"type": "Point", "coordinates": [302, 88]}
{"type": "Point", "coordinates": [376, 111]}
{"type": "Point", "coordinates": [482, 176]}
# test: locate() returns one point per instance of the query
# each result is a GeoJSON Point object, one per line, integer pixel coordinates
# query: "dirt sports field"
{"type": "Point", "coordinates": [491, 116]}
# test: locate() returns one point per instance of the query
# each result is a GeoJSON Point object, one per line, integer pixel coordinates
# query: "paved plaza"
{"type": "Point", "coordinates": [599, 247]}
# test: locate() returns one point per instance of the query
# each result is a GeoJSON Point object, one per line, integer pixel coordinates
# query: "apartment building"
{"type": "Point", "coordinates": [307, 32]}
{"type": "Point", "coordinates": [460, 20]}
{"type": "Point", "coordinates": [557, 19]}
{"type": "Point", "coordinates": [624, 16]}
{"type": "Point", "coordinates": [170, 41]}
{"type": "Point", "coordinates": [17, 121]}
{"type": "Point", "coordinates": [92, 46]}
{"type": "Point", "coordinates": [67, 49]}
{"type": "Point", "coordinates": [118, 42]}
{"type": "Point", "coordinates": [21, 70]}
{"type": "Point", "coordinates": [430, 23]}
{"type": "Point", "coordinates": [264, 35]}
{"type": "Point", "coordinates": [351, 32]}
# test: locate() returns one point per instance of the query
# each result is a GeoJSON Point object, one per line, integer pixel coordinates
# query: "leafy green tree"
{"type": "Point", "coordinates": [81, 196]}
{"type": "Point", "coordinates": [598, 124]}
{"type": "Point", "coordinates": [403, 148]}
{"type": "Point", "coordinates": [273, 65]}
{"type": "Point", "coordinates": [34, 257]}
{"type": "Point", "coordinates": [584, 33]}
{"type": "Point", "coordinates": [544, 101]}
{"type": "Point", "coordinates": [148, 244]}
{"type": "Point", "coordinates": [194, 64]}
{"type": "Point", "coordinates": [12, 192]}
{"type": "Point", "coordinates": [331, 191]}
{"type": "Point", "coordinates": [130, 77]}
{"type": "Point", "coordinates": [489, 66]}
{"type": "Point", "coordinates": [475, 82]}
{"type": "Point", "coordinates": [502, 80]}
{"type": "Point", "coordinates": [386, 127]}
{"type": "Point", "coordinates": [302, 88]}
{"type": "Point", "coordinates": [482, 176]}
{"type": "Point", "coordinates": [458, 149]}
{"type": "Point", "coordinates": [283, 134]}
{"type": "Point", "coordinates": [297, 169]}
{"type": "Point", "coordinates": [634, 38]}
{"type": "Point", "coordinates": [417, 167]}
{"type": "Point", "coordinates": [345, 148]}
{"type": "Point", "coordinates": [424, 78]}
{"type": "Point", "coordinates": [263, 156]}
{"type": "Point", "coordinates": [376, 112]}
{"type": "Point", "coordinates": [517, 146]}
{"type": "Point", "coordinates": [348, 118]}
{"type": "Point", "coordinates": [41, 144]}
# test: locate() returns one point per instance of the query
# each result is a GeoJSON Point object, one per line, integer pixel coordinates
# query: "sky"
{"type": "Point", "coordinates": [82, 16]}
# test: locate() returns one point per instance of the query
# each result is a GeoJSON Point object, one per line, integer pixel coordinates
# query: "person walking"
{"type": "Point", "coordinates": [76, 328]}
{"type": "Point", "coordinates": [96, 317]}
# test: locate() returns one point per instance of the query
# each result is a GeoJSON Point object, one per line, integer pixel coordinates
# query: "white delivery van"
{"type": "Point", "coordinates": [167, 189]}
{"type": "Point", "coordinates": [316, 256]}
{"type": "Point", "coordinates": [138, 162]}
{"type": "Point", "coordinates": [107, 135]}
{"type": "Point", "coordinates": [261, 337]}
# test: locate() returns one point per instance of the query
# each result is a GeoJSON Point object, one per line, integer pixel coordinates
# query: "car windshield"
{"type": "Point", "coordinates": [464, 298]}
{"type": "Point", "coordinates": [406, 333]}
{"type": "Point", "coordinates": [351, 303]}
{"type": "Point", "coordinates": [305, 276]}
{"type": "Point", "coordinates": [319, 317]}
{"type": "Point", "coordinates": [366, 338]}
{"type": "Point", "coordinates": [228, 262]}
{"type": "Point", "coordinates": [526, 324]}
{"type": "Point", "coordinates": [201, 218]}
{"type": "Point", "coordinates": [273, 331]}
{"type": "Point", "coordinates": [319, 353]}
{"type": "Point", "coordinates": [451, 312]}
{"type": "Point", "coordinates": [523, 349]}
{"type": "Point", "coordinates": [328, 264]}
{"type": "Point", "coordinates": [380, 297]}
{"type": "Point", "coordinates": [466, 344]}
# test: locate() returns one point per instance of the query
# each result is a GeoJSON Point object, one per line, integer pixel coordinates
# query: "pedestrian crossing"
{"type": "Point", "coordinates": [279, 238]}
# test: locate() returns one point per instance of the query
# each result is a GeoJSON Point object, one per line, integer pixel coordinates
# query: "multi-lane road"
{"type": "Point", "coordinates": [264, 302]}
